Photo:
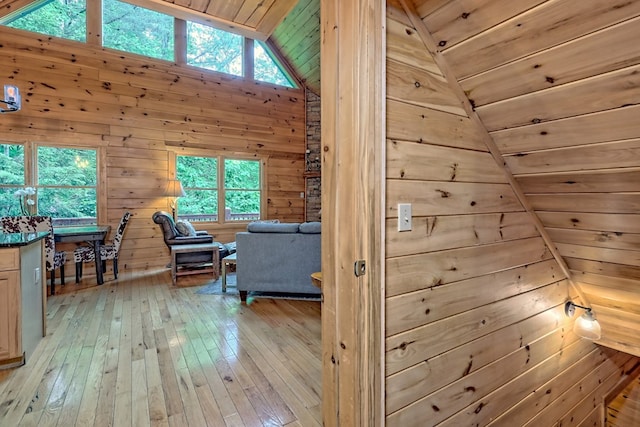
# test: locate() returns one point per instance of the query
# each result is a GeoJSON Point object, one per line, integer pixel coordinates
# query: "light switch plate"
{"type": "Point", "coordinates": [404, 216]}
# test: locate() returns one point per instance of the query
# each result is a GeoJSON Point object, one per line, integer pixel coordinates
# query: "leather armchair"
{"type": "Point", "coordinates": [171, 237]}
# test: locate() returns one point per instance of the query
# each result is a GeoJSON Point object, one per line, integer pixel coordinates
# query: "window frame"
{"type": "Point", "coordinates": [31, 174]}
{"type": "Point", "coordinates": [35, 183]}
{"type": "Point", "coordinates": [221, 157]}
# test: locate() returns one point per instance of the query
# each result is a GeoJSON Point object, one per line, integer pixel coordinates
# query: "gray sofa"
{"type": "Point", "coordinates": [278, 257]}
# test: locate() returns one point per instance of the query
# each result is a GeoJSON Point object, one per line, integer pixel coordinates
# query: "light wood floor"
{"type": "Point", "coordinates": [138, 352]}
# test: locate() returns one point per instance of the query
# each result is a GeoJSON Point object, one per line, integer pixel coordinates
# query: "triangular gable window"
{"type": "Point", "coordinates": [267, 67]}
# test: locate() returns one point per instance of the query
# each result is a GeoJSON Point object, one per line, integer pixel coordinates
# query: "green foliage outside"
{"type": "Point", "coordinates": [214, 49]}
{"type": "Point", "coordinates": [59, 169]}
{"type": "Point", "coordinates": [199, 177]}
{"type": "Point", "coordinates": [60, 18]}
{"type": "Point", "coordinates": [242, 185]}
{"type": "Point", "coordinates": [135, 29]}
{"type": "Point", "coordinates": [66, 186]}
{"type": "Point", "coordinates": [265, 67]}
{"type": "Point", "coordinates": [11, 177]}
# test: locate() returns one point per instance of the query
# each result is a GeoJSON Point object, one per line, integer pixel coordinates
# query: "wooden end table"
{"type": "Point", "coordinates": [192, 248]}
{"type": "Point", "coordinates": [226, 262]}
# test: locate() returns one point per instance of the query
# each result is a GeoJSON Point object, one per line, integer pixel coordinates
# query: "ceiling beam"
{"type": "Point", "coordinates": [187, 14]}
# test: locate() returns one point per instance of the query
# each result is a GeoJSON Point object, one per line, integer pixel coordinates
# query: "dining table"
{"type": "Point", "coordinates": [94, 235]}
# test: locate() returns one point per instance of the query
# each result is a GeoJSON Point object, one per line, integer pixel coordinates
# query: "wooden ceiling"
{"type": "Point", "coordinates": [252, 18]}
{"type": "Point", "coordinates": [557, 86]}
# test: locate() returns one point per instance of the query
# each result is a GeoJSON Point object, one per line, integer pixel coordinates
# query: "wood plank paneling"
{"type": "Point", "coordinates": [474, 324]}
{"type": "Point", "coordinates": [624, 409]}
{"type": "Point", "coordinates": [140, 110]}
{"type": "Point", "coordinates": [547, 25]}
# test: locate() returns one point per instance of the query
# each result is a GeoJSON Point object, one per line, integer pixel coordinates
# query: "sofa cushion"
{"type": "Point", "coordinates": [312, 227]}
{"type": "Point", "coordinates": [267, 227]}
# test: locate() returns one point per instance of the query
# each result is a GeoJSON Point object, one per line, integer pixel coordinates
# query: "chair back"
{"type": "Point", "coordinates": [117, 239]}
{"type": "Point", "coordinates": [31, 224]}
{"type": "Point", "coordinates": [168, 226]}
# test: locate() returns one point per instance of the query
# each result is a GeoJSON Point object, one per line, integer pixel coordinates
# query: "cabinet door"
{"type": "Point", "coordinates": [9, 315]}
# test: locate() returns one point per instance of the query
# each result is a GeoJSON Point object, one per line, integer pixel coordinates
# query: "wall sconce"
{"type": "Point", "coordinates": [174, 190]}
{"type": "Point", "coordinates": [585, 326]}
{"type": "Point", "coordinates": [11, 99]}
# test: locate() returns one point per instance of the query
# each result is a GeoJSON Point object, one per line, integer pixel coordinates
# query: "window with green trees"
{"type": "Point", "coordinates": [132, 28]}
{"type": "Point", "coordinates": [136, 29]}
{"type": "Point", "coordinates": [60, 18]}
{"type": "Point", "coordinates": [239, 199]}
{"type": "Point", "coordinates": [214, 49]}
{"type": "Point", "coordinates": [64, 185]}
{"type": "Point", "coordinates": [67, 183]}
{"type": "Point", "coordinates": [266, 67]}
{"type": "Point", "coordinates": [12, 175]}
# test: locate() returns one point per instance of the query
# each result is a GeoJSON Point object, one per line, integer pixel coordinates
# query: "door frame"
{"type": "Point", "coordinates": [353, 187]}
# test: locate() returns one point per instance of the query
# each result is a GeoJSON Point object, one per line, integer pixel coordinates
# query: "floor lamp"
{"type": "Point", "coordinates": [174, 190]}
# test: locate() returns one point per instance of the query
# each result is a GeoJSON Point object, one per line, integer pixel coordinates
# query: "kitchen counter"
{"type": "Point", "coordinates": [22, 296]}
{"type": "Point", "coordinates": [12, 240]}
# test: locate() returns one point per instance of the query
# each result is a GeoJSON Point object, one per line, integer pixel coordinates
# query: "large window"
{"type": "Point", "coordinates": [62, 184]}
{"type": "Point", "coordinates": [67, 184]}
{"type": "Point", "coordinates": [241, 189]}
{"type": "Point", "coordinates": [238, 199]}
{"type": "Point", "coordinates": [60, 18]}
{"type": "Point", "coordinates": [12, 175]}
{"type": "Point", "coordinates": [214, 49]}
{"type": "Point", "coordinates": [132, 28]}
{"type": "Point", "coordinates": [136, 29]}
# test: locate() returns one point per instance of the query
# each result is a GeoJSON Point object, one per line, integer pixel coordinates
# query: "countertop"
{"type": "Point", "coordinates": [10, 240]}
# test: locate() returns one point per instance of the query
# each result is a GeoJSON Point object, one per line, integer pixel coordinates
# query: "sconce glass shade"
{"type": "Point", "coordinates": [586, 326]}
{"type": "Point", "coordinates": [174, 189]}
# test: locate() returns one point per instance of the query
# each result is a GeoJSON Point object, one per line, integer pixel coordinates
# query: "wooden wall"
{"type": "Point", "coordinates": [137, 111]}
{"type": "Point", "coordinates": [475, 330]}
{"type": "Point", "coordinates": [557, 85]}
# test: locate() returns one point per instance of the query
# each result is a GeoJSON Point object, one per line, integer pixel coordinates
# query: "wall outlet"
{"type": "Point", "coordinates": [404, 216]}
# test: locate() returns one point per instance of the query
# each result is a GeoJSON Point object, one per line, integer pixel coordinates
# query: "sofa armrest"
{"type": "Point", "coordinates": [186, 240]}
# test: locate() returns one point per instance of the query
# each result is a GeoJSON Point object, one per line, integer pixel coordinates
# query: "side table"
{"type": "Point", "coordinates": [192, 248]}
{"type": "Point", "coordinates": [226, 262]}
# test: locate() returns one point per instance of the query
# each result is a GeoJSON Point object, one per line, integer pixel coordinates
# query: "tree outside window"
{"type": "Point", "coordinates": [204, 201]}
{"type": "Point", "coordinates": [67, 184]}
{"type": "Point", "coordinates": [241, 189]}
{"type": "Point", "coordinates": [60, 18]}
{"type": "Point", "coordinates": [138, 30]}
{"type": "Point", "coordinates": [12, 175]}
{"type": "Point", "coordinates": [199, 178]}
{"type": "Point", "coordinates": [214, 49]}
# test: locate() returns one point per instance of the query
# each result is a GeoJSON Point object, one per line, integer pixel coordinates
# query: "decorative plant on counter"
{"type": "Point", "coordinates": [26, 197]}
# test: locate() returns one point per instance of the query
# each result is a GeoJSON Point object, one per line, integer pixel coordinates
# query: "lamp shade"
{"type": "Point", "coordinates": [586, 326]}
{"type": "Point", "coordinates": [174, 189]}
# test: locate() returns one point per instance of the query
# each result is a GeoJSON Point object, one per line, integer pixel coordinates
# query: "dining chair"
{"type": "Point", "coordinates": [29, 224]}
{"type": "Point", "coordinates": [107, 252]}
